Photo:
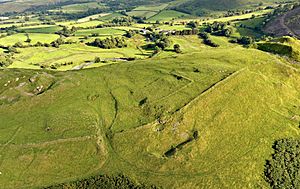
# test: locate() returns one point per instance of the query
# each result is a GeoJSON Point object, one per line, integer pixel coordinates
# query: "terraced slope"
{"type": "Point", "coordinates": [201, 120]}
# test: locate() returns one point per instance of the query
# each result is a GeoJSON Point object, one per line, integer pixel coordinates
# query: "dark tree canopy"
{"type": "Point", "coordinates": [283, 169]}
{"type": "Point", "coordinates": [103, 181]}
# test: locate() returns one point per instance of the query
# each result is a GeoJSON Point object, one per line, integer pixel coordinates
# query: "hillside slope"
{"type": "Point", "coordinates": [200, 7]}
{"type": "Point", "coordinates": [201, 120]}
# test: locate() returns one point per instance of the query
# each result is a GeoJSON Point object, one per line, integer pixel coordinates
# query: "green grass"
{"type": "Point", "coordinates": [100, 31]}
{"type": "Point", "coordinates": [253, 27]}
{"type": "Point", "coordinates": [111, 16]}
{"type": "Point", "coordinates": [35, 37]}
{"type": "Point", "coordinates": [95, 16]}
{"type": "Point", "coordinates": [41, 29]}
{"type": "Point", "coordinates": [174, 27]}
{"type": "Point", "coordinates": [77, 53]}
{"type": "Point", "coordinates": [147, 11]}
{"type": "Point", "coordinates": [86, 24]}
{"type": "Point", "coordinates": [167, 15]}
{"type": "Point", "coordinates": [81, 7]}
{"type": "Point", "coordinates": [239, 100]}
{"type": "Point", "coordinates": [155, 8]}
{"type": "Point", "coordinates": [143, 14]}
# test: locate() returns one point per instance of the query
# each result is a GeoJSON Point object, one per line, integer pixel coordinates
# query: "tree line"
{"type": "Point", "coordinates": [109, 43]}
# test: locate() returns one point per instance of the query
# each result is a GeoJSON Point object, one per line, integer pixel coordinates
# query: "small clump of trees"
{"type": "Point", "coordinates": [219, 28]}
{"type": "Point", "coordinates": [130, 33]}
{"type": "Point", "coordinates": [123, 21]}
{"type": "Point", "coordinates": [244, 40]}
{"type": "Point", "coordinates": [207, 40]}
{"type": "Point", "coordinates": [109, 43]}
{"type": "Point", "coordinates": [104, 181]}
{"type": "Point", "coordinates": [66, 31]}
{"type": "Point", "coordinates": [283, 169]}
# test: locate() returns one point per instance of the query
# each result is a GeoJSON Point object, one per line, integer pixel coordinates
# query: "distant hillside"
{"type": "Point", "coordinates": [8, 6]}
{"type": "Point", "coordinates": [200, 7]}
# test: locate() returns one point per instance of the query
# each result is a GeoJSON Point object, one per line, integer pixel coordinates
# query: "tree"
{"type": "Point", "coordinates": [177, 48]}
{"type": "Point", "coordinates": [28, 40]}
{"type": "Point", "coordinates": [245, 40]}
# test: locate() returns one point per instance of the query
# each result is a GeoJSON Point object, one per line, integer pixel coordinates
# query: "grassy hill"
{"type": "Point", "coordinates": [206, 119]}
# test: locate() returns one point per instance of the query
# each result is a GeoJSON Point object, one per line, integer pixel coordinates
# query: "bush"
{"type": "Point", "coordinates": [97, 59]}
{"type": "Point", "coordinates": [177, 48]}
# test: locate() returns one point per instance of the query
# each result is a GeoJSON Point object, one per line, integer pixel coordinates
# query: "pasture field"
{"type": "Point", "coordinates": [86, 24]}
{"type": "Point", "coordinates": [81, 7]}
{"type": "Point", "coordinates": [95, 16]}
{"type": "Point", "coordinates": [10, 25]}
{"type": "Point", "coordinates": [100, 31]}
{"type": "Point", "coordinates": [76, 53]}
{"type": "Point", "coordinates": [167, 15]}
{"type": "Point", "coordinates": [143, 14]}
{"type": "Point", "coordinates": [147, 11]}
{"type": "Point", "coordinates": [230, 18]}
{"type": "Point", "coordinates": [212, 92]}
{"type": "Point", "coordinates": [110, 16]}
{"type": "Point", "coordinates": [155, 8]}
{"type": "Point", "coordinates": [41, 29]}
{"type": "Point", "coordinates": [251, 27]}
{"type": "Point", "coordinates": [174, 27]}
{"type": "Point", "coordinates": [21, 37]}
